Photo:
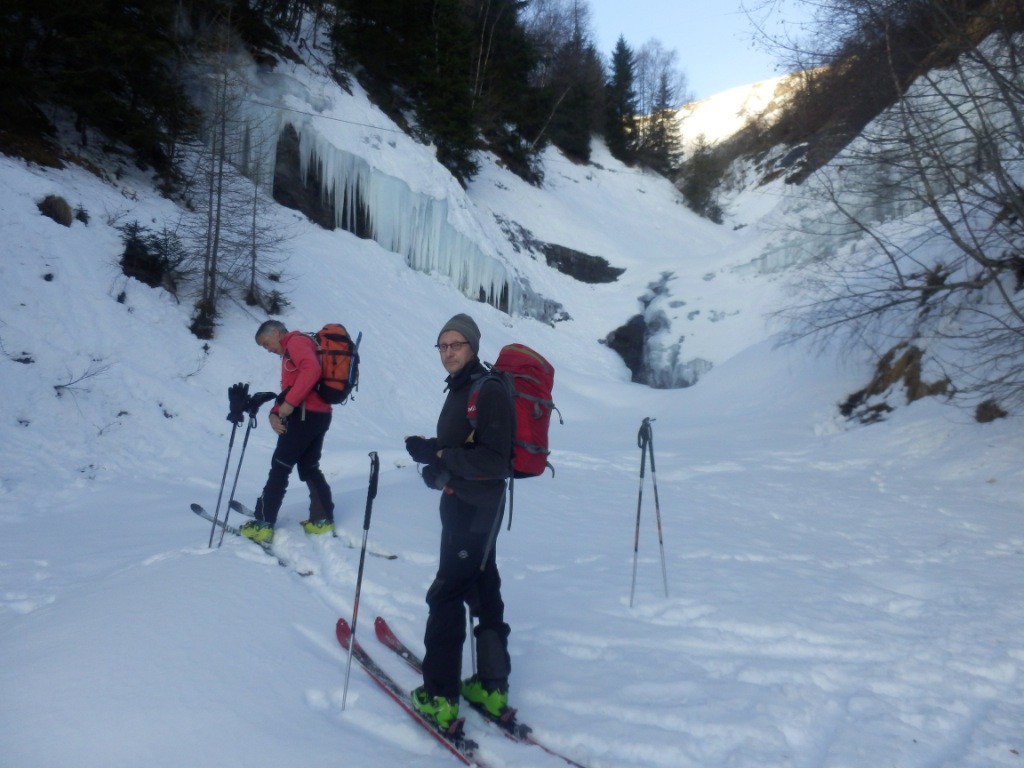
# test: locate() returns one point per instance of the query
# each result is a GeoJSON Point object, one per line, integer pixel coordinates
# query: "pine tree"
{"type": "Point", "coordinates": [663, 150]}
{"type": "Point", "coordinates": [620, 130]}
{"type": "Point", "coordinates": [444, 89]}
{"type": "Point", "coordinates": [700, 178]}
{"type": "Point", "coordinates": [509, 108]}
{"type": "Point", "coordinates": [109, 64]}
{"type": "Point", "coordinates": [576, 90]}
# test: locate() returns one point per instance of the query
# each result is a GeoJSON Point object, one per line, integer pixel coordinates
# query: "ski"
{"type": "Point", "coordinates": [201, 511]}
{"type": "Point", "coordinates": [507, 722]}
{"type": "Point", "coordinates": [244, 510]}
{"type": "Point", "coordinates": [452, 739]}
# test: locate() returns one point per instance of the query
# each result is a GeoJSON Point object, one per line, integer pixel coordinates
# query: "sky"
{"type": "Point", "coordinates": [714, 40]}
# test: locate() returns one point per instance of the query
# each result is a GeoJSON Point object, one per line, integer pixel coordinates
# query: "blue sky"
{"type": "Point", "coordinates": [713, 38]}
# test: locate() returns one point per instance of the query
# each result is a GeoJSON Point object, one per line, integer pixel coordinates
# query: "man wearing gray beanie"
{"type": "Point", "coordinates": [467, 328]}
{"type": "Point", "coordinates": [470, 466]}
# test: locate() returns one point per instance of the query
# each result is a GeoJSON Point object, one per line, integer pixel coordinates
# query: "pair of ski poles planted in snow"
{"type": "Point", "coordinates": [645, 441]}
{"type": "Point", "coordinates": [240, 402]}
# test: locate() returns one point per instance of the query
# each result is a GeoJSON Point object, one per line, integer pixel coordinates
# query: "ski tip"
{"type": "Point", "coordinates": [197, 508]}
{"type": "Point", "coordinates": [382, 629]}
{"type": "Point", "coordinates": [341, 629]}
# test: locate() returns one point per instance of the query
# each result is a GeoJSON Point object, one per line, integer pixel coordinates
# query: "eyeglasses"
{"type": "Point", "coordinates": [455, 346]}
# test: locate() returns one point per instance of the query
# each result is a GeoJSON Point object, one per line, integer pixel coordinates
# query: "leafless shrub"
{"type": "Point", "coordinates": [76, 383]}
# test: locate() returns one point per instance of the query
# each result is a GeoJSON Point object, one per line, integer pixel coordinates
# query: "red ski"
{"type": "Point", "coordinates": [452, 739]}
{"type": "Point", "coordinates": [507, 722]}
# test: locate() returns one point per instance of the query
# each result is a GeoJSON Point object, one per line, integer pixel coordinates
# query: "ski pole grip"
{"type": "Point", "coordinates": [371, 491]}
{"type": "Point", "coordinates": [644, 435]}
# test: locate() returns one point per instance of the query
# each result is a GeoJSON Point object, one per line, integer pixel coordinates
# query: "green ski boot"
{"type": "Point", "coordinates": [439, 710]}
{"type": "Point", "coordinates": [493, 699]}
{"type": "Point", "coordinates": [318, 526]}
{"type": "Point", "coordinates": [258, 531]}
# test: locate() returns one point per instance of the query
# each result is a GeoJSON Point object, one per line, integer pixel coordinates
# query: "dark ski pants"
{"type": "Point", "coordinates": [300, 446]}
{"type": "Point", "coordinates": [465, 534]}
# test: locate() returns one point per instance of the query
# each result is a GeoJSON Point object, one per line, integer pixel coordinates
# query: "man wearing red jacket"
{"type": "Point", "coordinates": [301, 419]}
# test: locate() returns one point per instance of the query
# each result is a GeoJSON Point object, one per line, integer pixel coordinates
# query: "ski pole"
{"type": "Point", "coordinates": [642, 437]}
{"type": "Point", "coordinates": [253, 406]}
{"type": "Point", "coordinates": [492, 537]}
{"type": "Point", "coordinates": [645, 440]}
{"type": "Point", "coordinates": [472, 638]}
{"type": "Point", "coordinates": [657, 506]}
{"type": "Point", "coordinates": [238, 469]}
{"type": "Point", "coordinates": [238, 398]}
{"type": "Point", "coordinates": [371, 493]}
{"type": "Point", "coordinates": [223, 477]}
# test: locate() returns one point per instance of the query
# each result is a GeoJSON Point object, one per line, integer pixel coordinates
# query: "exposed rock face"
{"type": "Point", "coordinates": [306, 196]}
{"type": "Point", "coordinates": [579, 265]}
{"type": "Point", "coordinates": [648, 348]}
{"type": "Point", "coordinates": [628, 340]}
{"type": "Point", "coordinates": [899, 369]}
{"type": "Point", "coordinates": [576, 264]}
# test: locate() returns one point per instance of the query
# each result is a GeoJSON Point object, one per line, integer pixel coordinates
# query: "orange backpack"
{"type": "Point", "coordinates": [339, 363]}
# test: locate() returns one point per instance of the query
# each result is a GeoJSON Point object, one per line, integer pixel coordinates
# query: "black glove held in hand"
{"type": "Point", "coordinates": [238, 401]}
{"type": "Point", "coordinates": [422, 449]}
{"type": "Point", "coordinates": [436, 476]}
{"type": "Point", "coordinates": [259, 399]}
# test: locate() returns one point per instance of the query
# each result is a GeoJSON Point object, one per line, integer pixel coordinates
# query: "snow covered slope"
{"type": "Point", "coordinates": [836, 597]}
{"type": "Point", "coordinates": [719, 117]}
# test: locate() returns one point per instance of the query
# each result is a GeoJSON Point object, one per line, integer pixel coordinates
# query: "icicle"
{"type": "Point", "coordinates": [437, 235]}
{"type": "Point", "coordinates": [415, 225]}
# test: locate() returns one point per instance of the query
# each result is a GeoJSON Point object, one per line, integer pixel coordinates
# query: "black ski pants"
{"type": "Point", "coordinates": [301, 445]}
{"type": "Point", "coordinates": [466, 533]}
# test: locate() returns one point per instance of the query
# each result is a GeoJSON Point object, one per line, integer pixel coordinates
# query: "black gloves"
{"type": "Point", "coordinates": [436, 476]}
{"type": "Point", "coordinates": [422, 449]}
{"type": "Point", "coordinates": [259, 399]}
{"type": "Point", "coordinates": [238, 402]}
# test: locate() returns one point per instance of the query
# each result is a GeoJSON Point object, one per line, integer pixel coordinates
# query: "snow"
{"type": "Point", "coordinates": [718, 117]}
{"type": "Point", "coordinates": [838, 596]}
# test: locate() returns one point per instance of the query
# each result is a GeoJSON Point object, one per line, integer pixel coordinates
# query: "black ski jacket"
{"type": "Point", "coordinates": [479, 460]}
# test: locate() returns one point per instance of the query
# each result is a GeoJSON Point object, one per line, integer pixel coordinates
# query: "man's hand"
{"type": "Point", "coordinates": [286, 409]}
{"type": "Point", "coordinates": [279, 425]}
{"type": "Point", "coordinates": [421, 449]}
{"type": "Point", "coordinates": [436, 476]}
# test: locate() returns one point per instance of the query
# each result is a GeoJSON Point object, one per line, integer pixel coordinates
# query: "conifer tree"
{"type": "Point", "coordinates": [508, 106]}
{"type": "Point", "coordinates": [620, 130]}
{"type": "Point", "coordinates": [661, 87]}
{"type": "Point", "coordinates": [576, 90]}
{"type": "Point", "coordinates": [109, 64]}
{"type": "Point", "coordinates": [663, 148]}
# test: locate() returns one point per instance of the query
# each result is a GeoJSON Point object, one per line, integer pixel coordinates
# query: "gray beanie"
{"type": "Point", "coordinates": [464, 324]}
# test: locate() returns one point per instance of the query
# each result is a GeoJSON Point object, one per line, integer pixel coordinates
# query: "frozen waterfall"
{"type": "Point", "coordinates": [413, 224]}
{"type": "Point", "coordinates": [437, 231]}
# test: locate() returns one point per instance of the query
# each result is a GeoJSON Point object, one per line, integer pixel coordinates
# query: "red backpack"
{"type": "Point", "coordinates": [529, 379]}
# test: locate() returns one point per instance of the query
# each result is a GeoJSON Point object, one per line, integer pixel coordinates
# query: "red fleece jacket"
{"type": "Point", "coordinates": [300, 371]}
